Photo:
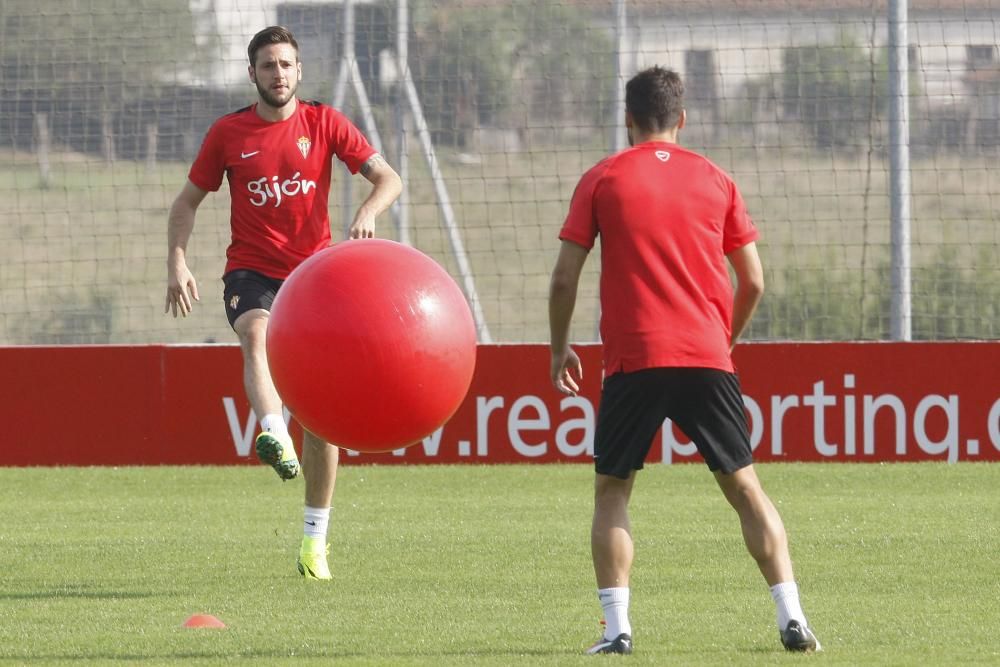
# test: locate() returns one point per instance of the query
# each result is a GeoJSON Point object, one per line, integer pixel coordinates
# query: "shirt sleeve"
{"type": "Point", "coordinates": [739, 229]}
{"type": "Point", "coordinates": [349, 144]}
{"type": "Point", "coordinates": [581, 221]}
{"type": "Point", "coordinates": [210, 165]}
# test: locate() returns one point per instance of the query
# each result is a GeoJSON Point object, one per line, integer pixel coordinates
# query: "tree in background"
{"type": "Point", "coordinates": [461, 61]}
{"type": "Point", "coordinates": [566, 62]}
{"type": "Point", "coordinates": [82, 61]}
{"type": "Point", "coordinates": [828, 88]}
{"type": "Point", "coordinates": [832, 89]}
{"type": "Point", "coordinates": [507, 65]}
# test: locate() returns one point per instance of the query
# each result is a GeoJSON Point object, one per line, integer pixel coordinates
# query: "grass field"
{"type": "Point", "coordinates": [489, 565]}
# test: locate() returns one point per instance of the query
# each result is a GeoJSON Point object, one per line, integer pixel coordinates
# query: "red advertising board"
{"type": "Point", "coordinates": [863, 402]}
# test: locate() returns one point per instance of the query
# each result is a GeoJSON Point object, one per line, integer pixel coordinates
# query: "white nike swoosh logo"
{"type": "Point", "coordinates": [246, 155]}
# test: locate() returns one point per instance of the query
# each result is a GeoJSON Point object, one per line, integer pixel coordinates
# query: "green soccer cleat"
{"type": "Point", "coordinates": [279, 453]}
{"type": "Point", "coordinates": [312, 559]}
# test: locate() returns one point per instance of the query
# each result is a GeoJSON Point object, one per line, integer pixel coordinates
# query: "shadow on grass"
{"type": "Point", "coordinates": [135, 658]}
{"type": "Point", "coordinates": [389, 657]}
{"type": "Point", "coordinates": [79, 594]}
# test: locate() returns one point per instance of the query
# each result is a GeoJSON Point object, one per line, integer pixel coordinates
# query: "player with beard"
{"type": "Point", "coordinates": [277, 155]}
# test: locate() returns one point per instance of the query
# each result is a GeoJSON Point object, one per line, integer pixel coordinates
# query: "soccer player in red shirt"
{"type": "Point", "coordinates": [277, 156]}
{"type": "Point", "coordinates": [668, 220]}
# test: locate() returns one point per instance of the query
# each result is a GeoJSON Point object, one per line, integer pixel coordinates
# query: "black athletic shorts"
{"type": "Point", "coordinates": [245, 290]}
{"type": "Point", "coordinates": [705, 403]}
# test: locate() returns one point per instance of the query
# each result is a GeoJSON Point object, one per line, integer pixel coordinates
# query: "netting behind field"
{"type": "Point", "coordinates": [106, 102]}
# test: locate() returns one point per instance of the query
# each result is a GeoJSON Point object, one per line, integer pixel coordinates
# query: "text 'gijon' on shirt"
{"type": "Point", "coordinates": [279, 181]}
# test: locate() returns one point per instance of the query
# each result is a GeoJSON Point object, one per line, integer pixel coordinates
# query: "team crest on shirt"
{"type": "Point", "coordinates": [304, 145]}
{"type": "Point", "coordinates": [663, 155]}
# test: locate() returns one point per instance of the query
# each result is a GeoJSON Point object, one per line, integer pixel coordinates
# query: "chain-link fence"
{"type": "Point", "coordinates": [106, 101]}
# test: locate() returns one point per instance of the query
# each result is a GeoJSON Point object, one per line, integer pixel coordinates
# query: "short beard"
{"type": "Point", "coordinates": [271, 100]}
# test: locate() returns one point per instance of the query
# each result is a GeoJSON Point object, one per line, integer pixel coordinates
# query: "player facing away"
{"type": "Point", "coordinates": [277, 155]}
{"type": "Point", "coordinates": [668, 220]}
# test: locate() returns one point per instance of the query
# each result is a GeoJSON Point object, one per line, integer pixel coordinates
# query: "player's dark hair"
{"type": "Point", "coordinates": [274, 34]}
{"type": "Point", "coordinates": [655, 98]}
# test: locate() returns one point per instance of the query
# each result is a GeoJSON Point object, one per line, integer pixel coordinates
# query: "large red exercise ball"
{"type": "Point", "coordinates": [371, 345]}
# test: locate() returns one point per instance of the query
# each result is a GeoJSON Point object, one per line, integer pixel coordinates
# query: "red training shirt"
{"type": "Point", "coordinates": [279, 180]}
{"type": "Point", "coordinates": [667, 219]}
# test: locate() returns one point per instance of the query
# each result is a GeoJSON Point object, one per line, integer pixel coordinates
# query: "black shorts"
{"type": "Point", "coordinates": [705, 403]}
{"type": "Point", "coordinates": [246, 290]}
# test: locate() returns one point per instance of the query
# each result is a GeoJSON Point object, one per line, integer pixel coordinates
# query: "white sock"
{"type": "Point", "coordinates": [273, 424]}
{"type": "Point", "coordinates": [614, 602]}
{"type": "Point", "coordinates": [786, 598]}
{"type": "Point", "coordinates": [316, 521]}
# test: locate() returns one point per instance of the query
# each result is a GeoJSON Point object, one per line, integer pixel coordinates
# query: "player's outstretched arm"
{"type": "Point", "coordinates": [181, 285]}
{"type": "Point", "coordinates": [387, 186]}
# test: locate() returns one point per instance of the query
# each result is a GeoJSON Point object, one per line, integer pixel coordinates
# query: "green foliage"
{"type": "Point", "coordinates": [488, 565]}
{"type": "Point", "coordinates": [479, 66]}
{"type": "Point", "coordinates": [833, 89]}
{"type": "Point", "coordinates": [69, 317]}
{"type": "Point", "coordinates": [576, 57]}
{"type": "Point", "coordinates": [463, 59]}
{"type": "Point", "coordinates": [809, 303]}
{"type": "Point", "coordinates": [829, 89]}
{"type": "Point", "coordinates": [105, 45]}
{"type": "Point", "coordinates": [949, 300]}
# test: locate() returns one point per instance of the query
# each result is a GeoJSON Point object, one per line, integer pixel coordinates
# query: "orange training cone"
{"type": "Point", "coordinates": [203, 621]}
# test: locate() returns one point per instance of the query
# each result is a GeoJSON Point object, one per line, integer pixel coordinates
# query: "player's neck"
{"type": "Point", "coordinates": [670, 137]}
{"type": "Point", "coordinates": [276, 114]}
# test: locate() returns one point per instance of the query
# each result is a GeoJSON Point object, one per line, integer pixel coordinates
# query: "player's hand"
{"type": "Point", "coordinates": [181, 289]}
{"type": "Point", "coordinates": [363, 226]}
{"type": "Point", "coordinates": [565, 365]}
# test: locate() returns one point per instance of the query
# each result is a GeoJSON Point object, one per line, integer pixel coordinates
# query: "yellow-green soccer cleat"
{"type": "Point", "coordinates": [312, 558]}
{"type": "Point", "coordinates": [279, 453]}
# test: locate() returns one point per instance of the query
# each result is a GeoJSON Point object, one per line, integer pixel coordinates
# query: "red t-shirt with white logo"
{"type": "Point", "coordinates": [279, 181]}
{"type": "Point", "coordinates": [667, 218]}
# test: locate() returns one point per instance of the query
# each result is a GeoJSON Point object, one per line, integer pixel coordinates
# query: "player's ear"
{"type": "Point", "coordinates": [628, 120]}
{"type": "Point", "coordinates": [252, 73]}
{"type": "Point", "coordinates": [682, 120]}
{"type": "Point", "coordinates": [298, 68]}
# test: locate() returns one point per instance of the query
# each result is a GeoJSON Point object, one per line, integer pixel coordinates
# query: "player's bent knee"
{"type": "Point", "coordinates": [251, 328]}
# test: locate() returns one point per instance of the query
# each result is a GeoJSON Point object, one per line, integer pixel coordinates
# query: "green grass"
{"type": "Point", "coordinates": [465, 565]}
